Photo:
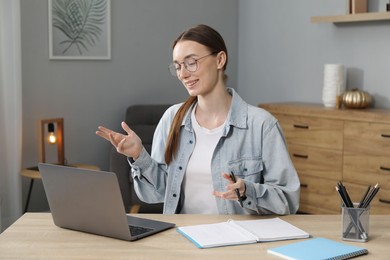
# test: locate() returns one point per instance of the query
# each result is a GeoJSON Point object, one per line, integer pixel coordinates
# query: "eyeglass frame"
{"type": "Point", "coordinates": [175, 71]}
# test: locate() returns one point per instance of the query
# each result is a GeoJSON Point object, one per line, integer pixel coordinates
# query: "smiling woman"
{"type": "Point", "coordinates": [200, 144]}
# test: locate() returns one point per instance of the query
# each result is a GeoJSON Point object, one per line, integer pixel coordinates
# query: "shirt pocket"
{"type": "Point", "coordinates": [247, 168]}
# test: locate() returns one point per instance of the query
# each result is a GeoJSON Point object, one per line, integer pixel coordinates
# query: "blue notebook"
{"type": "Point", "coordinates": [316, 249]}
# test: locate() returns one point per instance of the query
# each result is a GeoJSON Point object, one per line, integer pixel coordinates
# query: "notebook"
{"type": "Point", "coordinates": [90, 201]}
{"type": "Point", "coordinates": [235, 232]}
{"type": "Point", "coordinates": [316, 249]}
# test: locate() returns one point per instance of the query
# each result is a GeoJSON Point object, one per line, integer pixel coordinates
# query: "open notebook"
{"type": "Point", "coordinates": [235, 232]}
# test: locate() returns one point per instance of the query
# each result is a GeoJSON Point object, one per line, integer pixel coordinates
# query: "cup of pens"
{"type": "Point", "coordinates": [355, 223]}
{"type": "Point", "coordinates": [356, 216]}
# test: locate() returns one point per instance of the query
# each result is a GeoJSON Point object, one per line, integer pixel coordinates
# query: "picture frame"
{"type": "Point", "coordinates": [79, 29]}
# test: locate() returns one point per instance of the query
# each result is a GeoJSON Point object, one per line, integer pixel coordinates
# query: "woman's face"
{"type": "Point", "coordinates": [206, 76]}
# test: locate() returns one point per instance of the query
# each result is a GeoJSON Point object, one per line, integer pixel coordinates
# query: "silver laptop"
{"type": "Point", "coordinates": [90, 201]}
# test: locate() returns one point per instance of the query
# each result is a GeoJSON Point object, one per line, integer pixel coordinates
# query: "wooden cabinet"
{"type": "Point", "coordinates": [327, 145]}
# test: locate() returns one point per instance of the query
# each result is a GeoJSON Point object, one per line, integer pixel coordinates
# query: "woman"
{"type": "Point", "coordinates": [199, 143]}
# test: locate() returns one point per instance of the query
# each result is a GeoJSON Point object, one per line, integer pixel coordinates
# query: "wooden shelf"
{"type": "Point", "coordinates": [350, 18]}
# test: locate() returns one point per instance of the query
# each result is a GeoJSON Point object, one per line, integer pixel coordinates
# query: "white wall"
{"type": "Point", "coordinates": [282, 54]}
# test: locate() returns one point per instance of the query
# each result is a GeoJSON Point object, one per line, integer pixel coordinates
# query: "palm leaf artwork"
{"type": "Point", "coordinates": [80, 21]}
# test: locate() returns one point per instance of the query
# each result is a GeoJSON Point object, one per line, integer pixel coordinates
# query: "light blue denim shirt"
{"type": "Point", "coordinates": [252, 146]}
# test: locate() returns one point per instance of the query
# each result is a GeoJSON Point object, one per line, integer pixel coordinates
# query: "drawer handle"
{"type": "Point", "coordinates": [385, 135]}
{"type": "Point", "coordinates": [384, 201]}
{"type": "Point", "coordinates": [384, 168]}
{"type": "Point", "coordinates": [301, 156]}
{"type": "Point", "coordinates": [301, 126]}
{"type": "Point", "coordinates": [304, 185]}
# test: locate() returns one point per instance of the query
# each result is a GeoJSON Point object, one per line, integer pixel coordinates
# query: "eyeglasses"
{"type": "Point", "coordinates": [190, 64]}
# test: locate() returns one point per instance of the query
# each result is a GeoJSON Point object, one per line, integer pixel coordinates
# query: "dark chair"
{"type": "Point", "coordinates": [143, 120]}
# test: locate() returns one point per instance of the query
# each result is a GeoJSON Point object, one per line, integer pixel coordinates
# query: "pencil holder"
{"type": "Point", "coordinates": [355, 223]}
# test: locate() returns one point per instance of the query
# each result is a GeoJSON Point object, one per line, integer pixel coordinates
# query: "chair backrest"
{"type": "Point", "coordinates": [143, 120]}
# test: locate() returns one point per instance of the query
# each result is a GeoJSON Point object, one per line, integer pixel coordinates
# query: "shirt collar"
{"type": "Point", "coordinates": [238, 114]}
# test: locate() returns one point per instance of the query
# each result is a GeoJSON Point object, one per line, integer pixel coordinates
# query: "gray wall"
{"type": "Point", "coordinates": [91, 93]}
{"type": "Point", "coordinates": [282, 54]}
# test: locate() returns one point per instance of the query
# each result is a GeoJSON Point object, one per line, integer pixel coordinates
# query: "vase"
{"type": "Point", "coordinates": [334, 84]}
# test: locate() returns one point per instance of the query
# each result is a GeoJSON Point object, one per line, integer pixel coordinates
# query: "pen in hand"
{"type": "Point", "coordinates": [237, 190]}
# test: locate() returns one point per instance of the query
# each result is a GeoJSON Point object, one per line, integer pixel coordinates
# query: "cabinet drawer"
{"type": "Point", "coordinates": [384, 176]}
{"type": "Point", "coordinates": [316, 162]}
{"type": "Point", "coordinates": [319, 196]}
{"type": "Point", "coordinates": [379, 205]}
{"type": "Point", "coordinates": [312, 131]}
{"type": "Point", "coordinates": [364, 169]}
{"type": "Point", "coordinates": [382, 199]}
{"type": "Point", "coordinates": [367, 138]}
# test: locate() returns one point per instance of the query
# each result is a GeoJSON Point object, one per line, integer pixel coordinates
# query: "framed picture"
{"type": "Point", "coordinates": [79, 29]}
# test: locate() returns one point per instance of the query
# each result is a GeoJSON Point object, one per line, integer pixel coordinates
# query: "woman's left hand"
{"type": "Point", "coordinates": [230, 193]}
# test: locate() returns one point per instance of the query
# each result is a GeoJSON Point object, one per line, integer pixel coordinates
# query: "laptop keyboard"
{"type": "Point", "coordinates": [137, 230]}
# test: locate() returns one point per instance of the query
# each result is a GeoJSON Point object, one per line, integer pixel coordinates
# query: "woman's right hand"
{"type": "Point", "coordinates": [129, 145]}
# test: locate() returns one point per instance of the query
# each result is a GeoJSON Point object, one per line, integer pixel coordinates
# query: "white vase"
{"type": "Point", "coordinates": [334, 84]}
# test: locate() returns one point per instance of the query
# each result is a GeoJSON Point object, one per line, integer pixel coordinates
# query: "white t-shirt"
{"type": "Point", "coordinates": [198, 183]}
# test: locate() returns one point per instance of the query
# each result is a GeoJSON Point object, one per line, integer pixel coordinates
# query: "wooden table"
{"type": "Point", "coordinates": [33, 174]}
{"type": "Point", "coordinates": [34, 236]}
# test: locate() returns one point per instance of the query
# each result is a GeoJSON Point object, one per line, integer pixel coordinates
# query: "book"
{"type": "Point", "coordinates": [318, 248]}
{"type": "Point", "coordinates": [234, 232]}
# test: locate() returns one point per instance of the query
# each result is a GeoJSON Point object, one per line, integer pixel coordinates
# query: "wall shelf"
{"type": "Point", "coordinates": [350, 18]}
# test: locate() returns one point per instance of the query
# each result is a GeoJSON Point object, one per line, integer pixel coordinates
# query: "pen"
{"type": "Point", "coordinates": [343, 199]}
{"type": "Point", "coordinates": [237, 191]}
{"type": "Point", "coordinates": [344, 191]}
{"type": "Point", "coordinates": [364, 197]}
{"type": "Point", "coordinates": [371, 196]}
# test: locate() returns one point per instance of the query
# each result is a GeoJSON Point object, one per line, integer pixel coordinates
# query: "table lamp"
{"type": "Point", "coordinates": [52, 133]}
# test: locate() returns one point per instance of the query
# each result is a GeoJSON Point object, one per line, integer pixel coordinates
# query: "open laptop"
{"type": "Point", "coordinates": [90, 201]}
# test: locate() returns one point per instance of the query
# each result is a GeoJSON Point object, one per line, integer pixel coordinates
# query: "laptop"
{"type": "Point", "coordinates": [90, 201]}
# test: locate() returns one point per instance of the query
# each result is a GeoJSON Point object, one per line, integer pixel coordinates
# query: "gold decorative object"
{"type": "Point", "coordinates": [356, 98]}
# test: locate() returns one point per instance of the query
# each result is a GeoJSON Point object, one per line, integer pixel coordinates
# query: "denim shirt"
{"type": "Point", "coordinates": [252, 146]}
